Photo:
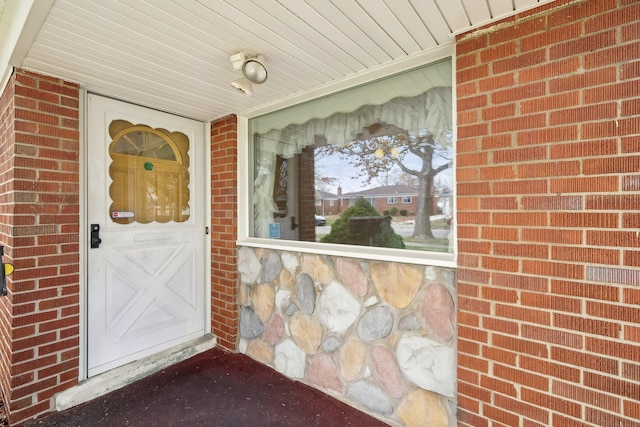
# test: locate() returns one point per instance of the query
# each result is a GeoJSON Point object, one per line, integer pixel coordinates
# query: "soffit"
{"type": "Point", "coordinates": [173, 55]}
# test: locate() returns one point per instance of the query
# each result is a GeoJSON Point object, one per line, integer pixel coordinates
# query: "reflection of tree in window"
{"type": "Point", "coordinates": [150, 173]}
{"type": "Point", "coordinates": [381, 146]}
{"type": "Point", "coordinates": [280, 187]}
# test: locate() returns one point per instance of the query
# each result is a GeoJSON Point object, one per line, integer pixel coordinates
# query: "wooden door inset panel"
{"type": "Point", "coordinates": [150, 173]}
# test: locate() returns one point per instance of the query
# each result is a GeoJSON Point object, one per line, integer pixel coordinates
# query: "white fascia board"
{"type": "Point", "coordinates": [19, 25]}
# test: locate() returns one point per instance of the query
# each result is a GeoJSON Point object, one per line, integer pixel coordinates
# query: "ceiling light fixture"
{"type": "Point", "coordinates": [252, 68]}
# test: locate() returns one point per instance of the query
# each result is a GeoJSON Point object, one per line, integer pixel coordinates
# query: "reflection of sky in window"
{"type": "Point", "coordinates": [335, 166]}
{"type": "Point", "coordinates": [338, 167]}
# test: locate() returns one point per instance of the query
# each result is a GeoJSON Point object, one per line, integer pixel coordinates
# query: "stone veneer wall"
{"type": "Point", "coordinates": [377, 335]}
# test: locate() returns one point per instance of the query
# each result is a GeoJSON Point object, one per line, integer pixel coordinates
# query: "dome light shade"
{"type": "Point", "coordinates": [244, 86]}
{"type": "Point", "coordinates": [254, 70]}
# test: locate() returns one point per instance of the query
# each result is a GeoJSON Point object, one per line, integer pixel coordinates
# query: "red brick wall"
{"type": "Point", "coordinates": [548, 171]}
{"type": "Point", "coordinates": [306, 197]}
{"type": "Point", "coordinates": [39, 217]}
{"type": "Point", "coordinates": [7, 143]}
{"type": "Point", "coordinates": [224, 227]}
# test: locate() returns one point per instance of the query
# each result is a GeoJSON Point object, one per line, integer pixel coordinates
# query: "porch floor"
{"type": "Point", "coordinates": [213, 388]}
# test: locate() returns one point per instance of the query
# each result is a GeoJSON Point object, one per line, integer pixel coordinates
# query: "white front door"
{"type": "Point", "coordinates": [146, 211]}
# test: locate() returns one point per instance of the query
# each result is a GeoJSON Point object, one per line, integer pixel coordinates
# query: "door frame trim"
{"type": "Point", "coordinates": [83, 233]}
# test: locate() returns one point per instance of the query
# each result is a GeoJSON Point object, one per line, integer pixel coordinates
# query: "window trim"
{"type": "Point", "coordinates": [245, 160]}
{"type": "Point", "coordinates": [405, 256]}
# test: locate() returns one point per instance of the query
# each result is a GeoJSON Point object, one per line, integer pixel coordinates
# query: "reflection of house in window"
{"type": "Point", "coordinates": [384, 197]}
{"type": "Point", "coordinates": [150, 173]}
{"type": "Point", "coordinates": [326, 203]}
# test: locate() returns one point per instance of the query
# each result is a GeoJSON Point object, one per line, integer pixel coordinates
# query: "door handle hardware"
{"type": "Point", "coordinates": [293, 223]}
{"type": "Point", "coordinates": [95, 236]}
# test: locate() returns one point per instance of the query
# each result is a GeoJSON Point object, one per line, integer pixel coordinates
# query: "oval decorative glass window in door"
{"type": "Point", "coordinates": [150, 174]}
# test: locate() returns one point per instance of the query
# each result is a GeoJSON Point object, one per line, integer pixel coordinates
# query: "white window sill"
{"type": "Point", "coordinates": [436, 259]}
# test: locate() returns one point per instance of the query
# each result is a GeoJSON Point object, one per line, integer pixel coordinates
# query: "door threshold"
{"type": "Point", "coordinates": [119, 377]}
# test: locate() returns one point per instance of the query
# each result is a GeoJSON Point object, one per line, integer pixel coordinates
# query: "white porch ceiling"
{"type": "Point", "coordinates": [173, 55]}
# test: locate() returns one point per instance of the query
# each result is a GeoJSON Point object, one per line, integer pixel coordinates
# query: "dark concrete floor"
{"type": "Point", "coordinates": [214, 388]}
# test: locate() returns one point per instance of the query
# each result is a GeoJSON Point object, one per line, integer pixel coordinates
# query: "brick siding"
{"type": "Point", "coordinates": [548, 162]}
{"type": "Point", "coordinates": [306, 197]}
{"type": "Point", "coordinates": [39, 199]}
{"type": "Point", "coordinates": [224, 227]}
{"type": "Point", "coordinates": [7, 143]}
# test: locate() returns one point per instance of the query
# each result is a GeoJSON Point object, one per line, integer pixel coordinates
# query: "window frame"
{"type": "Point", "coordinates": [246, 162]}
